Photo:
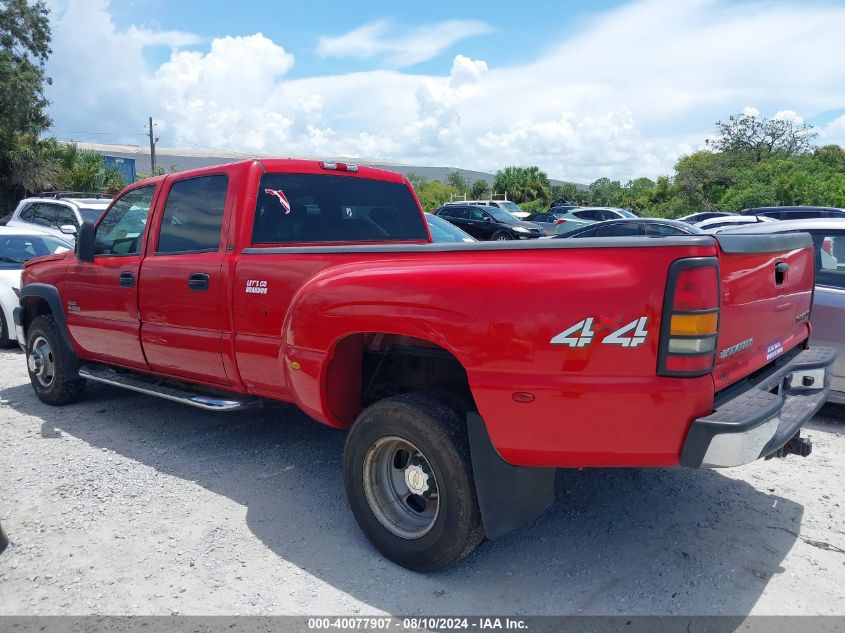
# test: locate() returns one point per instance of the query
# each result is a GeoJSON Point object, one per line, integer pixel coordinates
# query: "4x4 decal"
{"type": "Point", "coordinates": [583, 333]}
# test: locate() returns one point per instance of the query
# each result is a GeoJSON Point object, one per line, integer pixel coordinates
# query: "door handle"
{"type": "Point", "coordinates": [127, 279]}
{"type": "Point", "coordinates": [198, 282]}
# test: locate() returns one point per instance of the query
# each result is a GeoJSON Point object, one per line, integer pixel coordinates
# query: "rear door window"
{"type": "Point", "coordinates": [45, 214]}
{"type": "Point", "coordinates": [586, 215]}
{"type": "Point", "coordinates": [193, 215]}
{"type": "Point", "coordinates": [618, 230]}
{"type": "Point", "coordinates": [317, 208]}
{"type": "Point", "coordinates": [662, 229]}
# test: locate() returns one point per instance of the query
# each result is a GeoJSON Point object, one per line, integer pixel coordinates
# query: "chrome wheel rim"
{"type": "Point", "coordinates": [41, 362]}
{"type": "Point", "coordinates": [502, 238]}
{"type": "Point", "coordinates": [400, 487]}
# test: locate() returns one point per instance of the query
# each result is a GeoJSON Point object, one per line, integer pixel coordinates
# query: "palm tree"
{"type": "Point", "coordinates": [82, 169]}
{"type": "Point", "coordinates": [522, 183]}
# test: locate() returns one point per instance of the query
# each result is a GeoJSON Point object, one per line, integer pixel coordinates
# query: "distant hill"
{"type": "Point", "coordinates": [182, 159]}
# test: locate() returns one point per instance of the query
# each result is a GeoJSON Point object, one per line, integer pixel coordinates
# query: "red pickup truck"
{"type": "Point", "coordinates": [465, 373]}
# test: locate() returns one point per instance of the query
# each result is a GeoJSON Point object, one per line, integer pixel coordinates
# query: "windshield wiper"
{"type": "Point", "coordinates": [11, 260]}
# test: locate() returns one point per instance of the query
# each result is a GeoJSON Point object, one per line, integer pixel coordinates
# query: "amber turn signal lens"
{"type": "Point", "coordinates": [694, 324]}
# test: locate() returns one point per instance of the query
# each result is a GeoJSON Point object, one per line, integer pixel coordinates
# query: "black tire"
{"type": "Point", "coordinates": [6, 337]}
{"type": "Point", "coordinates": [58, 388]}
{"type": "Point", "coordinates": [501, 236]}
{"type": "Point", "coordinates": [440, 434]}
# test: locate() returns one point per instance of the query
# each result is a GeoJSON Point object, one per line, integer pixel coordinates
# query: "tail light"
{"type": "Point", "coordinates": [560, 222]}
{"type": "Point", "coordinates": [690, 324]}
{"type": "Point", "coordinates": [17, 292]}
{"type": "Point", "coordinates": [338, 166]}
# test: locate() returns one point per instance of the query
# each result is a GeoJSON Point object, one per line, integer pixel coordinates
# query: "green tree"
{"type": "Point", "coordinates": [568, 191]}
{"type": "Point", "coordinates": [416, 180]}
{"type": "Point", "coordinates": [434, 193]}
{"type": "Point", "coordinates": [479, 189]}
{"type": "Point", "coordinates": [761, 138]}
{"type": "Point", "coordinates": [81, 169]}
{"type": "Point", "coordinates": [522, 183]}
{"type": "Point", "coordinates": [605, 192]}
{"type": "Point", "coordinates": [459, 183]}
{"type": "Point", "coordinates": [24, 49]}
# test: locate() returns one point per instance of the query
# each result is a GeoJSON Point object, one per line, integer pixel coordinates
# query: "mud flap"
{"type": "Point", "coordinates": [509, 497]}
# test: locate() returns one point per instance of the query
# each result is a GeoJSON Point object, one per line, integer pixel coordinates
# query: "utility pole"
{"type": "Point", "coordinates": [153, 141]}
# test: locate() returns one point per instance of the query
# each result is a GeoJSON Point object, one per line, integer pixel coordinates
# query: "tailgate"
{"type": "Point", "coordinates": [767, 290]}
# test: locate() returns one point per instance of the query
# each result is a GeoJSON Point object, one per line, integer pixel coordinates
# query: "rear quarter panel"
{"type": "Point", "coordinates": [496, 311]}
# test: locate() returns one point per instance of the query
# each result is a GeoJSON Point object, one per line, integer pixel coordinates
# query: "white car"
{"type": "Point", "coordinates": [728, 221]}
{"type": "Point", "coordinates": [59, 214]}
{"type": "Point", "coordinates": [17, 245]}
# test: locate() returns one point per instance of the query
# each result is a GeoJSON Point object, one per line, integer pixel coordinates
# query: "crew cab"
{"type": "Point", "coordinates": [465, 373]}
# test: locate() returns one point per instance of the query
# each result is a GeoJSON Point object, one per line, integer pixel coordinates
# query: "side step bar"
{"type": "Point", "coordinates": [156, 387]}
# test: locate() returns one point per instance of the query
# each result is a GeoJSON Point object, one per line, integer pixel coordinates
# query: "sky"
{"type": "Point", "coordinates": [582, 89]}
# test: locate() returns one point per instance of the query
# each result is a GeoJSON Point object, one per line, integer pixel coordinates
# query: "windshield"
{"type": "Point", "coordinates": [16, 249]}
{"type": "Point", "coordinates": [90, 215]}
{"type": "Point", "coordinates": [502, 216]}
{"type": "Point", "coordinates": [626, 213]}
{"type": "Point", "coordinates": [510, 207]}
{"type": "Point", "coordinates": [443, 231]}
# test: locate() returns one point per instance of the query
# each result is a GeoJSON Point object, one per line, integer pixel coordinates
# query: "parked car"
{"type": "Point", "coordinates": [464, 373]}
{"type": "Point", "coordinates": [443, 231]}
{"type": "Point", "coordinates": [506, 205]}
{"type": "Point", "coordinates": [600, 214]}
{"type": "Point", "coordinates": [489, 223]}
{"type": "Point", "coordinates": [60, 214]}
{"type": "Point", "coordinates": [795, 213]}
{"type": "Point", "coordinates": [18, 245]}
{"type": "Point", "coordinates": [693, 218]}
{"type": "Point", "coordinates": [549, 221]}
{"type": "Point", "coordinates": [717, 224]}
{"type": "Point", "coordinates": [828, 316]}
{"type": "Point", "coordinates": [650, 227]}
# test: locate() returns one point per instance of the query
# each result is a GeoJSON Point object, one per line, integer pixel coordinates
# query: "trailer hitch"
{"type": "Point", "coordinates": [798, 445]}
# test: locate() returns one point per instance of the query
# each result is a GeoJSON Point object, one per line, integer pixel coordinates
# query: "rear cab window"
{"type": "Point", "coordinates": [317, 208]}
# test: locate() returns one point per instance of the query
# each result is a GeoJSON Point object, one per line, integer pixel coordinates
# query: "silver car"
{"type": "Point", "coordinates": [828, 317]}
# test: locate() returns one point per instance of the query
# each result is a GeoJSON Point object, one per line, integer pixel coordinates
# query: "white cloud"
{"type": "Point", "coordinates": [663, 74]}
{"type": "Point", "coordinates": [466, 71]}
{"type": "Point", "coordinates": [788, 115]}
{"type": "Point", "coordinates": [173, 39]}
{"type": "Point", "coordinates": [833, 132]}
{"type": "Point", "coordinates": [400, 46]}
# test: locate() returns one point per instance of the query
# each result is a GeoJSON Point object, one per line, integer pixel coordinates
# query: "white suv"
{"type": "Point", "coordinates": [56, 213]}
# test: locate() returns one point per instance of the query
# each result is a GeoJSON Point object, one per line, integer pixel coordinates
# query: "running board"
{"type": "Point", "coordinates": [156, 387]}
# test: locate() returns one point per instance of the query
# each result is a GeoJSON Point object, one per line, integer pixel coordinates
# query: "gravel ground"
{"type": "Point", "coordinates": [125, 504]}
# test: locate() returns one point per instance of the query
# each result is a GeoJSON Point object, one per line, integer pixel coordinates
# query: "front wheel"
{"type": "Point", "coordinates": [408, 478]}
{"type": "Point", "coordinates": [46, 364]}
{"type": "Point", "coordinates": [501, 237]}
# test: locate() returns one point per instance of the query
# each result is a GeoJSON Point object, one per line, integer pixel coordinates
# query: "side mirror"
{"type": "Point", "coordinates": [85, 242]}
{"type": "Point", "coordinates": [487, 218]}
{"type": "Point", "coordinates": [68, 229]}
